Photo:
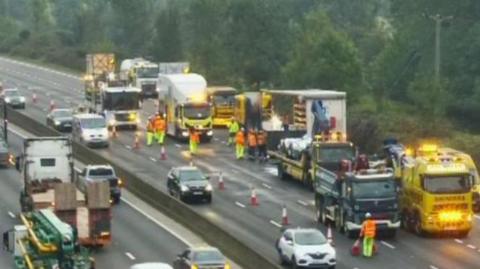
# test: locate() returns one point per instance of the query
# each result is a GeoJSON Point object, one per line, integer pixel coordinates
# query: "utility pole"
{"type": "Point", "coordinates": [438, 28]}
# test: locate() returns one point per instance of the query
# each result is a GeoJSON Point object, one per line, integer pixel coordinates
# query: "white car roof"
{"type": "Point", "coordinates": [88, 116]}
{"type": "Point", "coordinates": [151, 265]}
{"type": "Point", "coordinates": [96, 166]}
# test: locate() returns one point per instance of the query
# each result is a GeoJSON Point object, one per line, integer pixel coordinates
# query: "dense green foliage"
{"type": "Point", "coordinates": [380, 51]}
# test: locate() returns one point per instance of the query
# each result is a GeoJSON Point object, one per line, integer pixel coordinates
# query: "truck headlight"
{"type": "Point", "coordinates": [208, 187]}
{"type": "Point", "coordinates": [210, 133]}
{"type": "Point", "coordinates": [449, 216]}
{"type": "Point", "coordinates": [184, 133]}
{"type": "Point", "coordinates": [183, 188]}
{"type": "Point", "coordinates": [132, 116]}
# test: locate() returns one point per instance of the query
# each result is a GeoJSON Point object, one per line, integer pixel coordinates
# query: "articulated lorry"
{"type": "Point", "coordinates": [344, 198]}
{"type": "Point", "coordinates": [48, 176]}
{"type": "Point", "coordinates": [436, 195]}
{"type": "Point", "coordinates": [253, 109]}
{"type": "Point", "coordinates": [222, 100]}
{"type": "Point", "coordinates": [99, 67]}
{"type": "Point", "coordinates": [141, 74]}
{"type": "Point", "coordinates": [183, 99]}
{"type": "Point", "coordinates": [45, 241]}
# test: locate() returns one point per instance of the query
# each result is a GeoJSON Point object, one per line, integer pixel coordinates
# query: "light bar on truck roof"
{"type": "Point", "coordinates": [332, 137]}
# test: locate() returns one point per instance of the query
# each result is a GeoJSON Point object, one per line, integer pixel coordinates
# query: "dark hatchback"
{"type": "Point", "coordinates": [188, 182]}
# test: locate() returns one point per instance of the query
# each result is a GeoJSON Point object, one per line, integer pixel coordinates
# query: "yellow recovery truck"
{"type": "Point", "coordinates": [436, 193]}
{"type": "Point", "coordinates": [222, 100]}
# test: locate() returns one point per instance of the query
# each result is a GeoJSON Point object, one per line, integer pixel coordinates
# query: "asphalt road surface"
{"type": "Point", "coordinates": [258, 226]}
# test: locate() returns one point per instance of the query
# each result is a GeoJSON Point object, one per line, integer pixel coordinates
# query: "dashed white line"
{"type": "Point", "coordinates": [153, 159]}
{"type": "Point", "coordinates": [267, 186]}
{"type": "Point", "coordinates": [459, 241]}
{"type": "Point", "coordinates": [302, 202]}
{"type": "Point", "coordinates": [11, 214]}
{"type": "Point", "coordinates": [387, 244]}
{"type": "Point", "coordinates": [240, 204]}
{"type": "Point", "coordinates": [130, 256]}
{"type": "Point", "coordinates": [471, 246]}
{"type": "Point", "coordinates": [128, 147]}
{"type": "Point", "coordinates": [433, 267]}
{"type": "Point", "coordinates": [274, 223]}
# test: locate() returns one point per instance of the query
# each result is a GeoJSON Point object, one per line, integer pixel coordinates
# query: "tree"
{"type": "Point", "coordinates": [323, 57]}
{"type": "Point", "coordinates": [167, 42]}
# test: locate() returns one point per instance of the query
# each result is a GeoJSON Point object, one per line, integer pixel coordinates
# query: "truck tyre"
{"type": "Point", "coordinates": [417, 224]}
{"type": "Point", "coordinates": [281, 174]}
{"type": "Point", "coordinates": [391, 233]}
{"type": "Point", "coordinates": [406, 222]}
{"type": "Point", "coordinates": [307, 181]}
{"type": "Point", "coordinates": [339, 222]}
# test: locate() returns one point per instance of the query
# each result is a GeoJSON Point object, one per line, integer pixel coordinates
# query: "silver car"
{"type": "Point", "coordinates": [13, 98]}
{"type": "Point", "coordinates": [4, 153]}
{"type": "Point", "coordinates": [151, 265]}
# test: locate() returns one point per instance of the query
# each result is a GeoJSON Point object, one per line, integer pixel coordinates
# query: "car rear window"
{"type": "Point", "coordinates": [101, 172]}
{"type": "Point", "coordinates": [210, 255]}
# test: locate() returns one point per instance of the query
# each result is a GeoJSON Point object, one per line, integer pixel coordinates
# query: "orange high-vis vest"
{"type": "Point", "coordinates": [261, 139]}
{"type": "Point", "coordinates": [369, 228]}
{"type": "Point", "coordinates": [240, 138]}
{"type": "Point", "coordinates": [159, 124]}
{"type": "Point", "coordinates": [195, 137]}
{"type": "Point", "coordinates": [252, 139]}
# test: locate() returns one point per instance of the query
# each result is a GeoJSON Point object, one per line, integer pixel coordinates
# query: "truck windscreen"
{"type": "Point", "coordinates": [196, 111]}
{"type": "Point", "coordinates": [374, 189]}
{"type": "Point", "coordinates": [446, 184]}
{"type": "Point", "coordinates": [147, 72]}
{"type": "Point", "coordinates": [121, 101]}
{"type": "Point", "coordinates": [223, 100]}
{"type": "Point", "coordinates": [335, 154]}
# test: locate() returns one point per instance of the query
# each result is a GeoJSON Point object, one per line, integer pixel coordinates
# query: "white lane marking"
{"type": "Point", "coordinates": [267, 186]}
{"type": "Point", "coordinates": [178, 145]}
{"type": "Point", "coordinates": [130, 256]}
{"type": "Point", "coordinates": [11, 214]}
{"type": "Point", "coordinates": [459, 241]}
{"type": "Point", "coordinates": [387, 244]}
{"type": "Point", "coordinates": [240, 204]}
{"type": "Point", "coordinates": [471, 246]}
{"type": "Point", "coordinates": [433, 267]}
{"type": "Point", "coordinates": [128, 147]}
{"type": "Point", "coordinates": [274, 223]}
{"type": "Point", "coordinates": [302, 202]}
{"type": "Point", "coordinates": [165, 227]}
{"type": "Point", "coordinates": [153, 159]}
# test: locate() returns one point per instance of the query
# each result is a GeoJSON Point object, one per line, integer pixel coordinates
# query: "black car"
{"type": "Point", "coordinates": [201, 257]}
{"type": "Point", "coordinates": [189, 182]}
{"type": "Point", "coordinates": [60, 119]}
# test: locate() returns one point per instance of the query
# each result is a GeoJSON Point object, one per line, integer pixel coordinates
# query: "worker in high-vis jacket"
{"type": "Point", "coordinates": [252, 144]}
{"type": "Point", "coordinates": [240, 144]}
{"type": "Point", "coordinates": [262, 145]}
{"type": "Point", "coordinates": [368, 231]}
{"type": "Point", "coordinates": [150, 131]}
{"type": "Point", "coordinates": [194, 140]}
{"type": "Point", "coordinates": [159, 124]}
{"type": "Point", "coordinates": [233, 128]}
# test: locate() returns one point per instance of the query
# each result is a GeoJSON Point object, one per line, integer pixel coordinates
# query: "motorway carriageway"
{"type": "Point", "coordinates": [258, 226]}
{"type": "Point", "coordinates": [140, 233]}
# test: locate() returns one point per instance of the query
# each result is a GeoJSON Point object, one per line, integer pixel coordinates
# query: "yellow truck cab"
{"type": "Point", "coordinates": [222, 100]}
{"type": "Point", "coordinates": [436, 196]}
{"type": "Point", "coordinates": [251, 108]}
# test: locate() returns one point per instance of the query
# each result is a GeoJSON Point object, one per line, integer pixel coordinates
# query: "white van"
{"type": "Point", "coordinates": [151, 265]}
{"type": "Point", "coordinates": [90, 129]}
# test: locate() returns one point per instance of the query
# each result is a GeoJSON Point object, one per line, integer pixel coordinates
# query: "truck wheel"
{"type": "Point", "coordinates": [339, 223]}
{"type": "Point", "coordinates": [391, 233]}
{"type": "Point", "coordinates": [417, 224]}
{"type": "Point", "coordinates": [281, 174]}
{"type": "Point", "coordinates": [307, 181]}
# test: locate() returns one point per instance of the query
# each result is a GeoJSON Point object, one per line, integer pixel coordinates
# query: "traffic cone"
{"type": "Point", "coordinates": [253, 198]}
{"type": "Point", "coordinates": [52, 105]}
{"type": "Point", "coordinates": [136, 143]}
{"type": "Point", "coordinates": [355, 250]}
{"type": "Point", "coordinates": [221, 184]}
{"type": "Point", "coordinates": [284, 216]}
{"type": "Point", "coordinates": [34, 98]}
{"type": "Point", "coordinates": [330, 236]}
{"type": "Point", "coordinates": [163, 154]}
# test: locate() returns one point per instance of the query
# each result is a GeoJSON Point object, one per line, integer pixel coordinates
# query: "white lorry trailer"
{"type": "Point", "coordinates": [142, 74]}
{"type": "Point", "coordinates": [183, 98]}
{"type": "Point", "coordinates": [121, 106]}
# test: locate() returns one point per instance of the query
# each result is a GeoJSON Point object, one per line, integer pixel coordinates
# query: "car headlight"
{"type": "Point", "coordinates": [7, 100]}
{"type": "Point", "coordinates": [183, 188]}
{"type": "Point", "coordinates": [184, 133]}
{"type": "Point", "coordinates": [210, 133]}
{"type": "Point", "coordinates": [86, 137]}
{"type": "Point", "coordinates": [22, 99]}
{"type": "Point", "coordinates": [57, 122]}
{"type": "Point", "coordinates": [208, 187]}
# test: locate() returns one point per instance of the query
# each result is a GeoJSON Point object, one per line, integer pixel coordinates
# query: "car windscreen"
{"type": "Point", "coordinates": [208, 256]}
{"type": "Point", "coordinates": [191, 175]}
{"type": "Point", "coordinates": [446, 184]}
{"type": "Point", "coordinates": [12, 93]}
{"type": "Point", "coordinates": [147, 72]}
{"type": "Point", "coordinates": [196, 111]}
{"type": "Point", "coordinates": [101, 172]}
{"type": "Point", "coordinates": [309, 238]}
{"type": "Point", "coordinates": [374, 189]}
{"type": "Point", "coordinates": [62, 114]}
{"type": "Point", "coordinates": [93, 123]}
{"type": "Point", "coordinates": [121, 100]}
{"type": "Point", "coordinates": [335, 154]}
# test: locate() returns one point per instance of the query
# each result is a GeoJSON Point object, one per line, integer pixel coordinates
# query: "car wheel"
{"type": "Point", "coordinates": [281, 259]}
{"type": "Point", "coordinates": [331, 267]}
{"type": "Point", "coordinates": [209, 199]}
{"type": "Point", "coordinates": [294, 263]}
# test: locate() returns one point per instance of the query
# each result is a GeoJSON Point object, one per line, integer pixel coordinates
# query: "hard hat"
{"type": "Point", "coordinates": [368, 215]}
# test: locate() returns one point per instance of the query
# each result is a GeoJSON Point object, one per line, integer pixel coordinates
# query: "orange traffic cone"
{"type": "Point", "coordinates": [284, 216]}
{"type": "Point", "coordinates": [330, 236]}
{"type": "Point", "coordinates": [221, 184]}
{"type": "Point", "coordinates": [136, 143]}
{"type": "Point", "coordinates": [163, 154]}
{"type": "Point", "coordinates": [52, 105]}
{"type": "Point", "coordinates": [253, 198]}
{"type": "Point", "coordinates": [355, 250]}
{"type": "Point", "coordinates": [34, 98]}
